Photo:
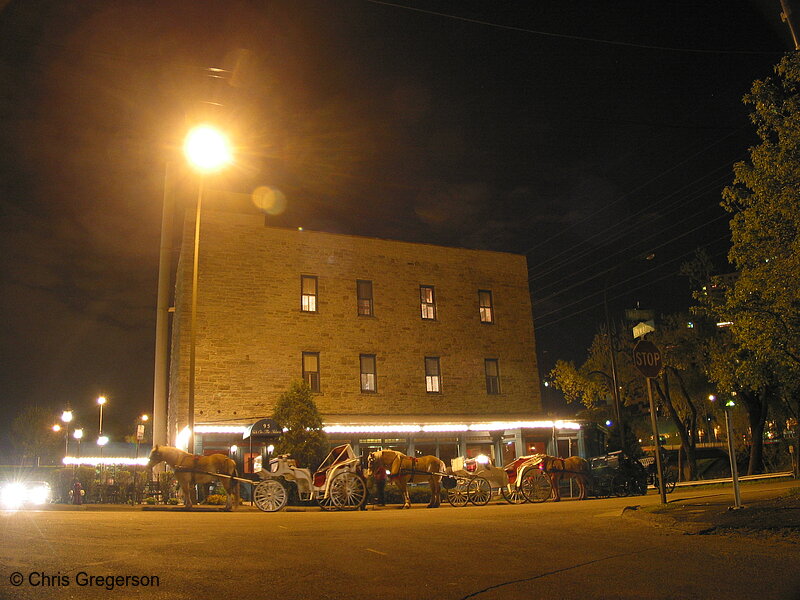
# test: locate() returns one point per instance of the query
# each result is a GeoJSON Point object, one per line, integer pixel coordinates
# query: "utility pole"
{"type": "Point", "coordinates": [786, 17]}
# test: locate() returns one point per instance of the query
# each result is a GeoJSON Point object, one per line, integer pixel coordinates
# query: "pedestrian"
{"type": "Point", "coordinates": [379, 475]}
{"type": "Point", "coordinates": [77, 492]}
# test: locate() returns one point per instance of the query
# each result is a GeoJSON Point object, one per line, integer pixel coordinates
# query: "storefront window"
{"type": "Point", "coordinates": [509, 452]}
{"type": "Point", "coordinates": [487, 449]}
{"type": "Point", "coordinates": [447, 452]}
{"type": "Point", "coordinates": [425, 449]}
{"type": "Point", "coordinates": [535, 446]}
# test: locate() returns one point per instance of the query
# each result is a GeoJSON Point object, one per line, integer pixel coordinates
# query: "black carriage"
{"type": "Point", "coordinates": [615, 474]}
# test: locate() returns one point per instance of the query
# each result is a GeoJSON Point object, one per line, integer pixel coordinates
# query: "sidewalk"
{"type": "Point", "coordinates": [769, 507]}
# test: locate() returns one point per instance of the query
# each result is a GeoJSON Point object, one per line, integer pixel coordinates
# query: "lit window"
{"type": "Point", "coordinates": [486, 308]}
{"type": "Point", "coordinates": [369, 378]}
{"type": "Point", "coordinates": [427, 301]}
{"type": "Point", "coordinates": [308, 293]}
{"type": "Point", "coordinates": [364, 292]}
{"type": "Point", "coordinates": [433, 383]}
{"type": "Point", "coordinates": [492, 368]}
{"type": "Point", "coordinates": [311, 370]}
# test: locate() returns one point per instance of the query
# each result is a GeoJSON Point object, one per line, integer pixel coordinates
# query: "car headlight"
{"type": "Point", "coordinates": [38, 494]}
{"type": "Point", "coordinates": [12, 495]}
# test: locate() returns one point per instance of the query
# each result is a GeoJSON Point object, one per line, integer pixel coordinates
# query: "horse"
{"type": "Point", "coordinates": [192, 469]}
{"type": "Point", "coordinates": [573, 467]}
{"type": "Point", "coordinates": [406, 469]}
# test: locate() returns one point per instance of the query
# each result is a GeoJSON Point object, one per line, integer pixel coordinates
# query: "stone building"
{"type": "Point", "coordinates": [416, 347]}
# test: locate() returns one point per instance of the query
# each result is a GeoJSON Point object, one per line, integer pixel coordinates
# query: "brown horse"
{"type": "Point", "coordinates": [573, 467]}
{"type": "Point", "coordinates": [406, 469]}
{"type": "Point", "coordinates": [191, 469]}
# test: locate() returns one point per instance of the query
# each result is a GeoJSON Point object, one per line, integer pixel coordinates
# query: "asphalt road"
{"type": "Point", "coordinates": [567, 550]}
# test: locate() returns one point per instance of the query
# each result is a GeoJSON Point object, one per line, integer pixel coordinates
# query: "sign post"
{"type": "Point", "coordinates": [647, 359]}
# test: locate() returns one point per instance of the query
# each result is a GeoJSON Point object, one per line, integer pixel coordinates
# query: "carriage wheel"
{"type": "Point", "coordinates": [670, 480]}
{"type": "Point", "coordinates": [348, 491]}
{"type": "Point", "coordinates": [459, 495]}
{"type": "Point", "coordinates": [270, 495]}
{"type": "Point", "coordinates": [326, 503]}
{"type": "Point", "coordinates": [536, 486]}
{"type": "Point", "coordinates": [479, 491]}
{"type": "Point", "coordinates": [620, 485]}
{"type": "Point", "coordinates": [513, 495]}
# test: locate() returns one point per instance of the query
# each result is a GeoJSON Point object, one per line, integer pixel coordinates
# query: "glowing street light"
{"type": "Point", "coordinates": [207, 150]}
{"type": "Point", "coordinates": [78, 435]}
{"type": "Point", "coordinates": [101, 401]}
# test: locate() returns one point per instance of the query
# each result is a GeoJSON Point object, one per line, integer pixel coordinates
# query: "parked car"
{"type": "Point", "coordinates": [20, 494]}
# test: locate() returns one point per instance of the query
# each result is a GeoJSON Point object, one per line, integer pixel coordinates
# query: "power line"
{"type": "Point", "coordinates": [579, 38]}
{"type": "Point", "coordinates": [618, 284]}
{"type": "Point", "coordinates": [561, 266]}
{"type": "Point", "coordinates": [613, 237]}
{"type": "Point", "coordinates": [634, 190]}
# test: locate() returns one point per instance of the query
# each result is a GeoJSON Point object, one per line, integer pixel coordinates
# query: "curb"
{"type": "Point", "coordinates": [666, 521]}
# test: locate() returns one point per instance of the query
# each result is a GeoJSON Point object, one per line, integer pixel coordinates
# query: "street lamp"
{"type": "Point", "coordinates": [78, 435]}
{"type": "Point", "coordinates": [101, 401]}
{"type": "Point", "coordinates": [207, 149]}
{"type": "Point", "coordinates": [66, 417]}
{"type": "Point", "coordinates": [139, 437]}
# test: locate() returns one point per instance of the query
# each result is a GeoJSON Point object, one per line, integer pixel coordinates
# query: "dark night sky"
{"type": "Point", "coordinates": [580, 133]}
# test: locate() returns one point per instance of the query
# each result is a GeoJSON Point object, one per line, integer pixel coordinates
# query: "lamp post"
{"type": "Point", "coordinates": [732, 454]}
{"type": "Point", "coordinates": [66, 417]}
{"type": "Point", "coordinates": [207, 150]}
{"type": "Point", "coordinates": [78, 435]}
{"type": "Point", "coordinates": [139, 437]}
{"type": "Point", "coordinates": [101, 401]}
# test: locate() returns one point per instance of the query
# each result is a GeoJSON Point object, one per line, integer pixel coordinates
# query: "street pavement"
{"type": "Point", "coordinates": [572, 549]}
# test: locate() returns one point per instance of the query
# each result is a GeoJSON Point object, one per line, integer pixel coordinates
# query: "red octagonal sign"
{"type": "Point", "coordinates": [647, 358]}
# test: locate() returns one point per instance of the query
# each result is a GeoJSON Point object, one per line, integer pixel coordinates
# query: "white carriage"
{"type": "Point", "coordinates": [338, 484]}
{"type": "Point", "coordinates": [477, 480]}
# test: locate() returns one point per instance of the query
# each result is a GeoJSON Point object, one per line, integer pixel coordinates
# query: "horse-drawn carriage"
{"type": "Point", "coordinates": [338, 483]}
{"type": "Point", "coordinates": [476, 480]}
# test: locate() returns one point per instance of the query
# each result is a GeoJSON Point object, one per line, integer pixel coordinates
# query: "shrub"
{"type": "Point", "coordinates": [216, 499]}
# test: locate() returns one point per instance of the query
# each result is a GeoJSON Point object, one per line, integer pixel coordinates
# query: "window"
{"type": "Point", "coordinates": [486, 308]}
{"type": "Point", "coordinates": [369, 377]}
{"type": "Point", "coordinates": [492, 369]}
{"type": "Point", "coordinates": [311, 370]}
{"type": "Point", "coordinates": [427, 301]}
{"type": "Point", "coordinates": [364, 293]}
{"type": "Point", "coordinates": [433, 383]}
{"type": "Point", "coordinates": [308, 293]}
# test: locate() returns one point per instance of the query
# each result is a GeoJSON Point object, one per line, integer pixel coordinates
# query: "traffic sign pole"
{"type": "Point", "coordinates": [654, 424]}
{"type": "Point", "coordinates": [647, 359]}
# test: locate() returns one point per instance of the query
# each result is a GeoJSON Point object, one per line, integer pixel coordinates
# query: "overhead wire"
{"type": "Point", "coordinates": [665, 209]}
{"type": "Point", "coordinates": [627, 291]}
{"type": "Point", "coordinates": [639, 242]}
{"type": "Point", "coordinates": [579, 38]}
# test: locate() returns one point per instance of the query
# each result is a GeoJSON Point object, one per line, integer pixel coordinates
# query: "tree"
{"type": "Point", "coordinates": [32, 432]}
{"type": "Point", "coordinates": [763, 303]}
{"type": "Point", "coordinates": [303, 437]}
{"type": "Point", "coordinates": [591, 385]}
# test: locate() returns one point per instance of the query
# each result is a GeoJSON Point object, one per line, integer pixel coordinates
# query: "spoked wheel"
{"type": "Point", "coordinates": [326, 503]}
{"type": "Point", "coordinates": [348, 491]}
{"type": "Point", "coordinates": [479, 491]}
{"type": "Point", "coordinates": [270, 495]}
{"type": "Point", "coordinates": [620, 486]}
{"type": "Point", "coordinates": [536, 486]}
{"type": "Point", "coordinates": [459, 495]}
{"type": "Point", "coordinates": [670, 481]}
{"type": "Point", "coordinates": [513, 495]}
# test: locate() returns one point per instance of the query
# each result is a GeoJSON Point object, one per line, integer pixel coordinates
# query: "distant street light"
{"type": "Point", "coordinates": [101, 401]}
{"type": "Point", "coordinates": [78, 435]}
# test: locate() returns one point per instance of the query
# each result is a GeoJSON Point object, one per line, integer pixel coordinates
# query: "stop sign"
{"type": "Point", "coordinates": [647, 358]}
